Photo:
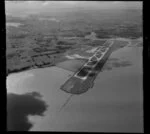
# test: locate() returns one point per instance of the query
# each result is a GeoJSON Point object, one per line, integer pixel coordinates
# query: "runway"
{"type": "Point", "coordinates": [84, 78]}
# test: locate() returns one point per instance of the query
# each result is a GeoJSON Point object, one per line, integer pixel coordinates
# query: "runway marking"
{"type": "Point", "coordinates": [85, 65]}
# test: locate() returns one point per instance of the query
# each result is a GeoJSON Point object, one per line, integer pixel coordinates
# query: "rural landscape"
{"type": "Point", "coordinates": [42, 40]}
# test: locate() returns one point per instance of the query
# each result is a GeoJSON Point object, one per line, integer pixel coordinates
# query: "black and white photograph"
{"type": "Point", "coordinates": [74, 66]}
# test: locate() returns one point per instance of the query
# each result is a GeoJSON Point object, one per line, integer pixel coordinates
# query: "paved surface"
{"type": "Point", "coordinates": [84, 78]}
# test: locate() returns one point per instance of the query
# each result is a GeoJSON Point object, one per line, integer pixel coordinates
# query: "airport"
{"type": "Point", "coordinates": [83, 79]}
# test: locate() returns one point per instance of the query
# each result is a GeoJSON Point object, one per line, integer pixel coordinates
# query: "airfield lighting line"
{"type": "Point", "coordinates": [66, 102]}
{"type": "Point", "coordinates": [69, 98]}
{"type": "Point", "coordinates": [56, 114]}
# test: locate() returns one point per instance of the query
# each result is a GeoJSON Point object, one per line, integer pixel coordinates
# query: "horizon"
{"type": "Point", "coordinates": [35, 7]}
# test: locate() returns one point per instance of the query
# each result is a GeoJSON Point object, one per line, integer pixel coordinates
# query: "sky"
{"type": "Point", "coordinates": [34, 6]}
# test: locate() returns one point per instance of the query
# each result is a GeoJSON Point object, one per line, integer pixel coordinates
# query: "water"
{"type": "Point", "coordinates": [114, 104]}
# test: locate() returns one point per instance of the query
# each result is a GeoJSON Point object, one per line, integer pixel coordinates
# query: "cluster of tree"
{"type": "Point", "coordinates": [125, 32]}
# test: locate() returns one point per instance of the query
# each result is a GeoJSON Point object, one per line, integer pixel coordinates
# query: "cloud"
{"type": "Point", "coordinates": [70, 2]}
{"type": "Point", "coordinates": [116, 2]}
{"type": "Point", "coordinates": [45, 3]}
{"type": "Point", "coordinates": [41, 6]}
{"type": "Point", "coordinates": [20, 106]}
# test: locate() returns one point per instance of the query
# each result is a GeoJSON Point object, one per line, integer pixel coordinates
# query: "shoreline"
{"type": "Point", "coordinates": [9, 72]}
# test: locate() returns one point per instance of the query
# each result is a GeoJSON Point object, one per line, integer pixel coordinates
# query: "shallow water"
{"type": "Point", "coordinates": [114, 104]}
